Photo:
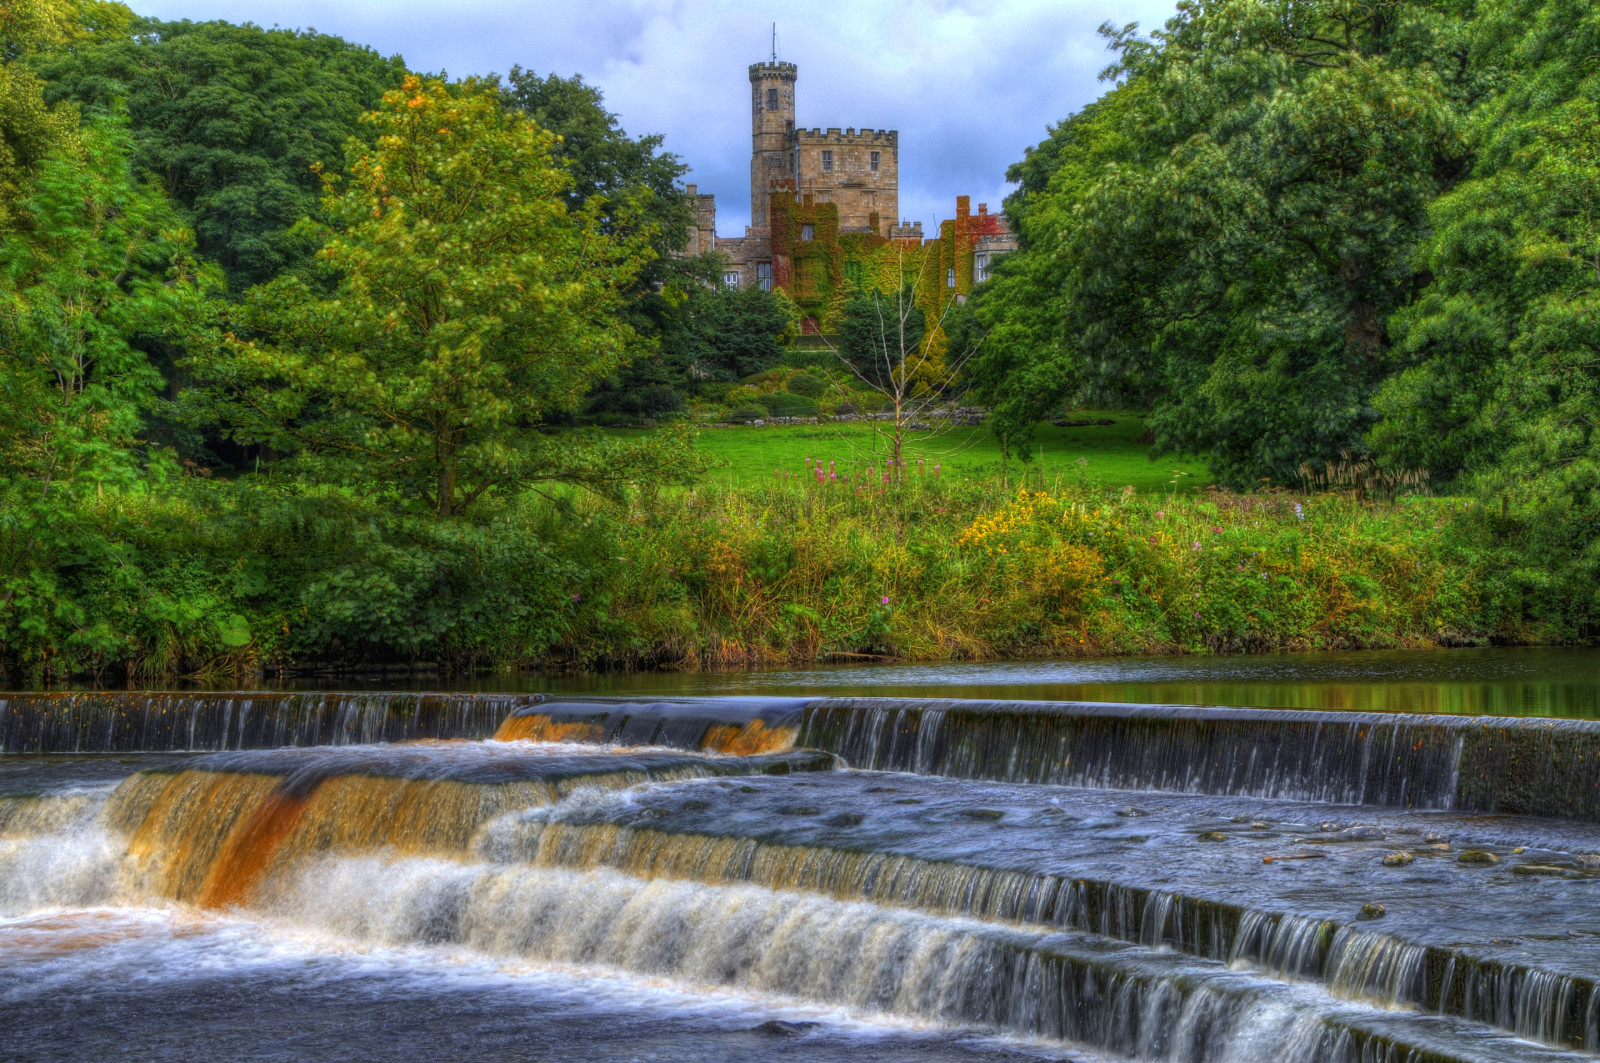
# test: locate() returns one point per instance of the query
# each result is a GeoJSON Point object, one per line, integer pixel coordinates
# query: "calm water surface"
{"type": "Point", "coordinates": [1537, 681]}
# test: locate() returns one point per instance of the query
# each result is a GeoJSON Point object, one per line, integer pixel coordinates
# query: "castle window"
{"type": "Point", "coordinates": [874, 162]}
{"type": "Point", "coordinates": [807, 232]}
{"type": "Point", "coordinates": [827, 160]}
{"type": "Point", "coordinates": [772, 99]}
{"type": "Point", "coordinates": [980, 268]}
{"type": "Point", "coordinates": [764, 276]}
{"type": "Point", "coordinates": [730, 279]}
{"type": "Point", "coordinates": [950, 277]}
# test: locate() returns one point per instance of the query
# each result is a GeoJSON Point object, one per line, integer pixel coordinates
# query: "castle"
{"type": "Point", "coordinates": [824, 216]}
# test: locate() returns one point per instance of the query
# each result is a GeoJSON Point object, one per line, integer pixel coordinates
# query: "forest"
{"type": "Point", "coordinates": [309, 360]}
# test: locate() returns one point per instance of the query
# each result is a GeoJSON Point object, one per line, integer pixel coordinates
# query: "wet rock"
{"type": "Point", "coordinates": [1439, 847]}
{"type": "Point", "coordinates": [983, 813]}
{"type": "Point", "coordinates": [1258, 825]}
{"type": "Point", "coordinates": [1372, 911]}
{"type": "Point", "coordinates": [782, 1028]}
{"type": "Point", "coordinates": [908, 801]}
{"type": "Point", "coordinates": [1309, 854]}
{"type": "Point", "coordinates": [1538, 869]}
{"type": "Point", "coordinates": [747, 789]}
{"type": "Point", "coordinates": [1131, 811]}
{"type": "Point", "coordinates": [799, 810]}
{"type": "Point", "coordinates": [1588, 860]}
{"type": "Point", "coordinates": [1398, 859]}
{"type": "Point", "coordinates": [845, 819]}
{"type": "Point", "coordinates": [1477, 856]}
{"type": "Point", "coordinates": [1433, 837]}
{"type": "Point", "coordinates": [1359, 834]}
{"type": "Point", "coordinates": [880, 790]}
{"type": "Point", "coordinates": [1213, 836]}
{"type": "Point", "coordinates": [697, 806]}
{"type": "Point", "coordinates": [1328, 828]}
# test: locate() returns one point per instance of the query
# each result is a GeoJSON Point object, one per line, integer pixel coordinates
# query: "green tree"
{"type": "Point", "coordinates": [1495, 368]}
{"type": "Point", "coordinates": [472, 303]}
{"type": "Point", "coordinates": [99, 261]}
{"type": "Point", "coordinates": [877, 333]}
{"type": "Point", "coordinates": [1239, 270]}
{"type": "Point", "coordinates": [636, 182]}
{"type": "Point", "coordinates": [233, 119]}
{"type": "Point", "coordinates": [31, 129]}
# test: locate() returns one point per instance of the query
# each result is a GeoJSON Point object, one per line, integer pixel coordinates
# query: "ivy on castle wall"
{"type": "Point", "coordinates": [811, 271]}
{"type": "Point", "coordinates": [820, 274]}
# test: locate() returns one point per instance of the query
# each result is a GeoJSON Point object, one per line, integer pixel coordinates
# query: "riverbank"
{"type": "Point", "coordinates": [844, 562]}
{"type": "Point", "coordinates": [933, 569]}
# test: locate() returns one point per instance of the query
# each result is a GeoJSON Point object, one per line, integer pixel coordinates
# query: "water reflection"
{"type": "Point", "coordinates": [1538, 681]}
{"type": "Point", "coordinates": [1520, 681]}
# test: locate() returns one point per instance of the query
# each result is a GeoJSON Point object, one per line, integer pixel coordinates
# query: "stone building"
{"type": "Point", "coordinates": [825, 214]}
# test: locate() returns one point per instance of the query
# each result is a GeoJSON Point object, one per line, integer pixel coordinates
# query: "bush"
{"type": "Point", "coordinates": [745, 414]}
{"type": "Point", "coordinates": [810, 358]}
{"type": "Point", "coordinates": [715, 390]}
{"type": "Point", "coordinates": [845, 409]}
{"type": "Point", "coordinates": [782, 404]}
{"type": "Point", "coordinates": [807, 385]}
{"type": "Point", "coordinates": [741, 396]}
{"type": "Point", "coordinates": [658, 400]}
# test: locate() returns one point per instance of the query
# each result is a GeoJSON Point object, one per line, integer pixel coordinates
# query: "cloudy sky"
{"type": "Point", "coordinates": [969, 83]}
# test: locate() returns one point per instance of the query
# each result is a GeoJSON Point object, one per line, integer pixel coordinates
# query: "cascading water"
{"type": "Point", "coordinates": [1116, 883]}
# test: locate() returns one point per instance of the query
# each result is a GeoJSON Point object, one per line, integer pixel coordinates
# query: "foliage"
{"type": "Point", "coordinates": [472, 304]}
{"type": "Point", "coordinates": [1238, 263]}
{"type": "Point", "coordinates": [31, 129]}
{"type": "Point", "coordinates": [233, 119]}
{"type": "Point", "coordinates": [97, 262]}
{"type": "Point", "coordinates": [874, 334]}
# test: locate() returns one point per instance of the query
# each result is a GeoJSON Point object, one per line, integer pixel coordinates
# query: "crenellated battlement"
{"type": "Point", "coordinates": [773, 71]}
{"type": "Point", "coordinates": [834, 135]}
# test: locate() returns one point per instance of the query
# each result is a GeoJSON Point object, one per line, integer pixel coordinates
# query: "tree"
{"type": "Point", "coordinates": [875, 332]}
{"type": "Point", "coordinates": [636, 182]}
{"type": "Point", "coordinates": [886, 344]}
{"type": "Point", "coordinates": [98, 261]}
{"type": "Point", "coordinates": [1237, 263]}
{"type": "Point", "coordinates": [31, 129]}
{"type": "Point", "coordinates": [472, 302]}
{"type": "Point", "coordinates": [233, 119]}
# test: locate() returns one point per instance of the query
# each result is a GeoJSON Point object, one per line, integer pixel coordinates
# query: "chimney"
{"type": "Point", "coordinates": [691, 190]}
{"type": "Point", "coordinates": [983, 208]}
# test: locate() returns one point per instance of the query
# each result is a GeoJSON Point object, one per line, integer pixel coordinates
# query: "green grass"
{"type": "Point", "coordinates": [1101, 455]}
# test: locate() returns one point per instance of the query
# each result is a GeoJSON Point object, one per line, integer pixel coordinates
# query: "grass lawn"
{"type": "Point", "coordinates": [1103, 454]}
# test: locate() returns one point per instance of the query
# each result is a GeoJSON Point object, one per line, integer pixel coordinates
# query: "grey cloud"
{"type": "Point", "coordinates": [970, 84]}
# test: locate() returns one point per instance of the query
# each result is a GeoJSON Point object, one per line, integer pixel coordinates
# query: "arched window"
{"type": "Point", "coordinates": [772, 99]}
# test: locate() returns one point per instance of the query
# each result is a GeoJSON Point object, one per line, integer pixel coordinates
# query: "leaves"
{"type": "Point", "coordinates": [472, 304]}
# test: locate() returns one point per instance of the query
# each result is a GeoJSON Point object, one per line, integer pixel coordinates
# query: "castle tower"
{"type": "Point", "coordinates": [772, 133]}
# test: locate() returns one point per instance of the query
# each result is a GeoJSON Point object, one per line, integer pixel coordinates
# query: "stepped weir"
{"type": "Point", "coordinates": [1165, 883]}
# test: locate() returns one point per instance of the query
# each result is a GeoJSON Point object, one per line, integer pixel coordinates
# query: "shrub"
{"type": "Point", "coordinates": [782, 404]}
{"type": "Point", "coordinates": [807, 385]}
{"type": "Point", "coordinates": [745, 414]}
{"type": "Point", "coordinates": [658, 400]}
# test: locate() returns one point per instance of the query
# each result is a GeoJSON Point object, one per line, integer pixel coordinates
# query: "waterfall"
{"type": "Point", "coordinates": [109, 722]}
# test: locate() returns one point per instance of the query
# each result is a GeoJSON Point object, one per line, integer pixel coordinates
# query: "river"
{"type": "Point", "coordinates": [1309, 859]}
